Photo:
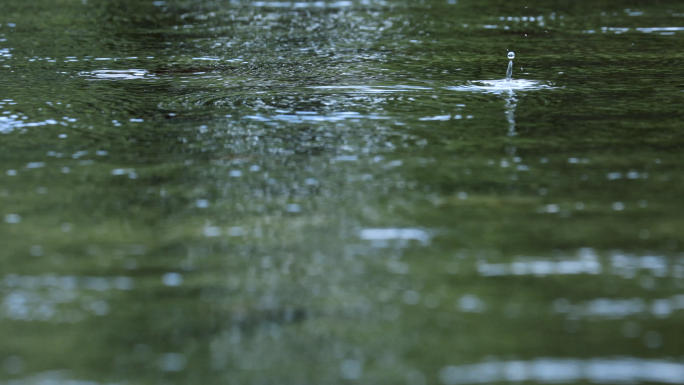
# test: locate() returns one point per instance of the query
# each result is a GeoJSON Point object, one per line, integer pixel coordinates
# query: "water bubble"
{"type": "Point", "coordinates": [511, 55]}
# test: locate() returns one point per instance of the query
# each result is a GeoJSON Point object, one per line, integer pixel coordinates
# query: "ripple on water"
{"type": "Point", "coordinates": [130, 74]}
{"type": "Point", "coordinates": [300, 4]}
{"type": "Point", "coordinates": [365, 89]}
{"type": "Point", "coordinates": [9, 124]}
{"type": "Point", "coordinates": [381, 236]}
{"type": "Point", "coordinates": [302, 117]}
{"type": "Point", "coordinates": [502, 86]}
{"type": "Point", "coordinates": [51, 297]}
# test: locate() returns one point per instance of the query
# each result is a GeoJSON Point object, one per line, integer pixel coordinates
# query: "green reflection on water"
{"type": "Point", "coordinates": [273, 192]}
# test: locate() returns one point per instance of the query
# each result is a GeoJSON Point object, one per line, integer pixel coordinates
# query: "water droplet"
{"type": "Point", "coordinates": [511, 55]}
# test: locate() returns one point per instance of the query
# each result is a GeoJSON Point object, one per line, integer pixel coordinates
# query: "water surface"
{"type": "Point", "coordinates": [257, 192]}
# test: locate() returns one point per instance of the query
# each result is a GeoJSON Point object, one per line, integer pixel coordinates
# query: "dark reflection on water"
{"type": "Point", "coordinates": [257, 192]}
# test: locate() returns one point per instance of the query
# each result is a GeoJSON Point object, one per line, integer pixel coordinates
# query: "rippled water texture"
{"type": "Point", "coordinates": [334, 192]}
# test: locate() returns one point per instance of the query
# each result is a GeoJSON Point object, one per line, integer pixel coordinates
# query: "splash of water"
{"type": "Point", "coordinates": [503, 86]}
{"type": "Point", "coordinates": [509, 71]}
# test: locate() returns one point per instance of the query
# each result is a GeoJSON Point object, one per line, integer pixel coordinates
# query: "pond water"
{"type": "Point", "coordinates": [333, 192]}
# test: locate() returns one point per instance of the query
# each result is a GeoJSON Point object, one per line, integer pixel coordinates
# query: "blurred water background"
{"type": "Point", "coordinates": [334, 192]}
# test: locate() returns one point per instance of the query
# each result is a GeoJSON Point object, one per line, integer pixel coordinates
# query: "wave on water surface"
{"type": "Point", "coordinates": [361, 89]}
{"type": "Point", "coordinates": [502, 85]}
{"type": "Point", "coordinates": [130, 74]}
